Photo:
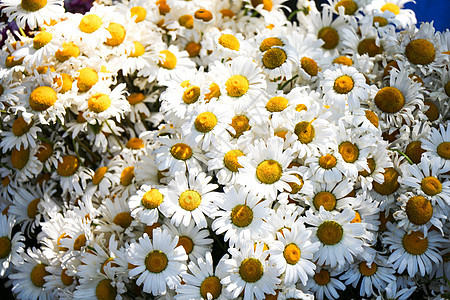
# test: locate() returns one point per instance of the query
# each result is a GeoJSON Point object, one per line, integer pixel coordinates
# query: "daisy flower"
{"type": "Point", "coordinates": [158, 262]}
{"type": "Point", "coordinates": [190, 198]}
{"type": "Point", "coordinates": [330, 195]}
{"type": "Point", "coordinates": [11, 247]}
{"type": "Point", "coordinates": [241, 81]}
{"type": "Point", "coordinates": [328, 166]}
{"type": "Point", "coordinates": [344, 86]}
{"type": "Point", "coordinates": [203, 282]}
{"type": "Point", "coordinates": [340, 240]}
{"type": "Point", "coordinates": [437, 145]}
{"type": "Point", "coordinates": [241, 216]}
{"type": "Point", "coordinates": [377, 164]}
{"type": "Point", "coordinates": [173, 62]}
{"type": "Point", "coordinates": [58, 282]}
{"type": "Point", "coordinates": [249, 271]}
{"type": "Point", "coordinates": [404, 16]}
{"type": "Point", "coordinates": [145, 204]}
{"type": "Point", "coordinates": [394, 291]}
{"type": "Point", "coordinates": [33, 13]}
{"type": "Point", "coordinates": [116, 217]}
{"type": "Point", "coordinates": [279, 61]}
{"type": "Point", "coordinates": [325, 284]}
{"type": "Point", "coordinates": [292, 254]}
{"type": "Point", "coordinates": [72, 175]}
{"type": "Point", "coordinates": [265, 170]}
{"type": "Point", "coordinates": [412, 251]}
{"type": "Point", "coordinates": [22, 133]}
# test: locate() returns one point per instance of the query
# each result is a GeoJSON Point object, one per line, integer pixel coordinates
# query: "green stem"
{"type": "Point", "coordinates": [287, 82]}
{"type": "Point", "coordinates": [5, 166]}
{"type": "Point", "coordinates": [45, 140]}
{"type": "Point", "coordinates": [404, 155]}
{"type": "Point", "coordinates": [22, 32]}
{"type": "Point", "coordinates": [76, 152]}
{"type": "Point", "coordinates": [292, 14]}
{"type": "Point", "coordinates": [115, 135]}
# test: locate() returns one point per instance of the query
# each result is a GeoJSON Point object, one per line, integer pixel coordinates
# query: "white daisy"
{"type": "Point", "coordinates": [332, 196]}
{"type": "Point", "coordinates": [325, 283]}
{"type": "Point", "coordinates": [279, 61]}
{"type": "Point", "coordinates": [33, 13]}
{"type": "Point", "coordinates": [22, 133]}
{"type": "Point", "coordinates": [145, 204]}
{"type": "Point", "coordinates": [437, 145]}
{"type": "Point", "coordinates": [11, 247]}
{"type": "Point", "coordinates": [172, 61]}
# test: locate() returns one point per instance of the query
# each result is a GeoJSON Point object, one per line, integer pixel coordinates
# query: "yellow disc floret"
{"type": "Point", "coordinates": [277, 104]}
{"type": "Point", "coordinates": [64, 82]}
{"type": "Point", "coordinates": [229, 41]}
{"type": "Point", "coordinates": [99, 102]}
{"type": "Point", "coordinates": [20, 126]}
{"type": "Point", "coordinates": [203, 14]}
{"type": "Point", "coordinates": [230, 160]}
{"type": "Point", "coordinates": [443, 150]}
{"type": "Point", "coordinates": [136, 98]}
{"type": "Point", "coordinates": [139, 49]}
{"type": "Point", "coordinates": [330, 37]}
{"type": "Point", "coordinates": [186, 21]}
{"type": "Point", "coordinates": [330, 232]}
{"type": "Point", "coordinates": [205, 122]}
{"type": "Point", "coordinates": [268, 43]}
{"type": "Point", "coordinates": [414, 151]}
{"type": "Point", "coordinates": [139, 12]}
{"type": "Point", "coordinates": [371, 164]}
{"type": "Point", "coordinates": [37, 275]}
{"type": "Point", "coordinates": [367, 271]}
{"type": "Point", "coordinates": [156, 261]}
{"type": "Point", "coordinates": [135, 143]}
{"type": "Point", "coordinates": [309, 65]}
{"type": "Point", "coordinates": [66, 279]}
{"type": "Point", "coordinates": [32, 208]}
{"type": "Point", "coordinates": [267, 4]}
{"type": "Point", "coordinates": [325, 199]}
{"type": "Point", "coordinates": [90, 23]}
{"type": "Point", "coordinates": [432, 112]}
{"type": "Point", "coordinates": [350, 6]}
{"type": "Point", "coordinates": [105, 291]}
{"type": "Point", "coordinates": [41, 39]}
{"type": "Point", "coordinates": [380, 20]}
{"type": "Point", "coordinates": [305, 132]}
{"type": "Point", "coordinates": [269, 171]}
{"type": "Point", "coordinates": [87, 78]}
{"type": "Point", "coordinates": [241, 215]}
{"type": "Point", "coordinates": [237, 85]}
{"type": "Point", "coordinates": [193, 49]}
{"type": "Point", "coordinates": [99, 174]}
{"type": "Point", "coordinates": [343, 60]}
{"type": "Point", "coordinates": [117, 32]}
{"type": "Point", "coordinates": [127, 175]}
{"type": "Point", "coordinates": [68, 166]}
{"type": "Point", "coordinates": [391, 7]}
{"type": "Point", "coordinates": [152, 199]}
{"type": "Point", "coordinates": [343, 84]}
{"type": "Point", "coordinates": [368, 46]}
{"type": "Point", "coordinates": [169, 60]}
{"type": "Point", "coordinates": [69, 49]}
{"type": "Point", "coordinates": [372, 117]}
{"type": "Point", "coordinates": [123, 219]}
{"type": "Point", "coordinates": [274, 58]}
{"type": "Point", "coordinates": [349, 152]}
{"type": "Point", "coordinates": [292, 254]}
{"type": "Point", "coordinates": [181, 151]}
{"type": "Point", "coordinates": [187, 243]}
{"type": "Point", "coordinates": [322, 278]}
{"type": "Point", "coordinates": [5, 247]}
{"type": "Point", "coordinates": [240, 124]}
{"type": "Point", "coordinates": [191, 94]}
{"type": "Point", "coordinates": [389, 99]}
{"type": "Point", "coordinates": [20, 157]}
{"type": "Point", "coordinates": [419, 210]}
{"type": "Point", "coordinates": [327, 161]}
{"type": "Point", "coordinates": [431, 186]}
{"type": "Point", "coordinates": [420, 52]}
{"type": "Point", "coordinates": [251, 270]}
{"type": "Point", "coordinates": [211, 285]}
{"type": "Point", "coordinates": [415, 243]}
{"type": "Point", "coordinates": [189, 200]}
{"type": "Point", "coordinates": [33, 5]}
{"type": "Point", "coordinates": [42, 98]}
{"type": "Point", "coordinates": [390, 184]}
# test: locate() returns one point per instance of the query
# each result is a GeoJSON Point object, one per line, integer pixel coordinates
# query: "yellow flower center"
{"type": "Point", "coordinates": [32, 208]}
{"type": "Point", "coordinates": [391, 7]}
{"type": "Point", "coordinates": [369, 47]}
{"type": "Point", "coordinates": [343, 84]}
{"type": "Point", "coordinates": [214, 92]}
{"type": "Point", "coordinates": [98, 175]}
{"type": "Point", "coordinates": [367, 271]}
{"type": "Point", "coordinates": [241, 215]}
{"type": "Point", "coordinates": [149, 229]}
{"type": "Point", "coordinates": [5, 182]}
{"type": "Point", "coordinates": [371, 164]}
{"type": "Point", "coordinates": [5, 247]}
{"type": "Point", "coordinates": [90, 23]}
{"type": "Point", "coordinates": [205, 122]}
{"type": "Point", "coordinates": [87, 79]}
{"type": "Point", "coordinates": [420, 52]}
{"type": "Point", "coordinates": [322, 278]}
{"type": "Point", "coordinates": [68, 166]}
{"type": "Point", "coordinates": [193, 49]}
{"type": "Point", "coordinates": [227, 13]}
{"type": "Point", "coordinates": [138, 50]}
{"type": "Point", "coordinates": [229, 41]}
{"type": "Point", "coordinates": [123, 219]}
{"type": "Point", "coordinates": [139, 12]}
{"type": "Point", "coordinates": [186, 21]}
{"type": "Point", "coordinates": [269, 171]}
{"type": "Point", "coordinates": [443, 150]}
{"type": "Point", "coordinates": [419, 210]}
{"type": "Point", "coordinates": [325, 199]}
{"type": "Point", "coordinates": [156, 261]}
{"type": "Point", "coordinates": [135, 143]}
{"type": "Point", "coordinates": [251, 270]}
{"type": "Point", "coordinates": [66, 279]}
{"type": "Point", "coordinates": [349, 152]}
{"type": "Point", "coordinates": [189, 200]}
{"type": "Point", "coordinates": [99, 102]}
{"type": "Point", "coordinates": [1, 90]}
{"type": "Point", "coordinates": [390, 184]}
{"type": "Point", "coordinates": [330, 37]}
{"type": "Point", "coordinates": [389, 99]}
{"type": "Point", "coordinates": [292, 254]}
{"type": "Point", "coordinates": [42, 98]}
{"type": "Point", "coordinates": [135, 98]}
{"type": "Point", "coordinates": [431, 186]}
{"type": "Point", "coordinates": [37, 275]}
{"type": "Point", "coordinates": [330, 232]}
{"type": "Point", "coordinates": [273, 58]}
{"type": "Point", "coordinates": [230, 160]}
{"type": "Point", "coordinates": [203, 14]}
{"type": "Point", "coordinates": [10, 61]}
{"type": "Point", "coordinates": [327, 161]}
{"type": "Point", "coordinates": [432, 112]}
{"type": "Point", "coordinates": [350, 6]}
{"type": "Point", "coordinates": [79, 242]}
{"type": "Point", "coordinates": [446, 89]}
{"type": "Point", "coordinates": [357, 218]}
{"type": "Point", "coordinates": [181, 151]}
{"type": "Point", "coordinates": [127, 175]}
{"type": "Point", "coordinates": [105, 291]}
{"type": "Point", "coordinates": [163, 8]}
{"type": "Point", "coordinates": [237, 85]}
{"type": "Point", "coordinates": [309, 65]}
{"type": "Point", "coordinates": [187, 244]}
{"type": "Point", "coordinates": [68, 50]}
{"type": "Point", "coordinates": [43, 69]}
{"type": "Point", "coordinates": [380, 20]}
{"type": "Point", "coordinates": [191, 95]}
{"type": "Point", "coordinates": [110, 262]}
{"type": "Point", "coordinates": [41, 39]}
{"type": "Point", "coordinates": [295, 187]}
{"type": "Point", "coordinates": [372, 117]}
{"type": "Point", "coordinates": [268, 43]}
{"type": "Point", "coordinates": [169, 60]}
{"type": "Point", "coordinates": [152, 199]}
{"type": "Point", "coordinates": [58, 242]}
{"type": "Point", "coordinates": [414, 151]}
{"type": "Point", "coordinates": [343, 60]}
{"type": "Point", "coordinates": [33, 5]}
{"type": "Point", "coordinates": [301, 107]}
{"type": "Point", "coordinates": [305, 132]}
{"type": "Point", "coordinates": [19, 157]}
{"type": "Point", "coordinates": [415, 243]}
{"type": "Point", "coordinates": [211, 285]}
{"type": "Point", "coordinates": [277, 104]}
{"type": "Point", "coordinates": [267, 4]}
{"type": "Point", "coordinates": [117, 32]}
{"type": "Point", "coordinates": [64, 82]}
{"type": "Point", "coordinates": [20, 127]}
{"type": "Point", "coordinates": [240, 125]}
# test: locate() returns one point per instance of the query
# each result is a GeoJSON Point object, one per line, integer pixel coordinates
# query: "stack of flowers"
{"type": "Point", "coordinates": [218, 150]}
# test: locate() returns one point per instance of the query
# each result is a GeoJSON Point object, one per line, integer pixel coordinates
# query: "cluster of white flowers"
{"type": "Point", "coordinates": [219, 150]}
